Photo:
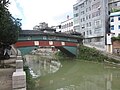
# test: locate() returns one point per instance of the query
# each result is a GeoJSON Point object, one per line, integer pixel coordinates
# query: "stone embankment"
{"type": "Point", "coordinates": [111, 56]}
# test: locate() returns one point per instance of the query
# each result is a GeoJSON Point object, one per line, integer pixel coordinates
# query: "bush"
{"type": "Point", "coordinates": [30, 81]}
{"type": "Point", "coordinates": [91, 54]}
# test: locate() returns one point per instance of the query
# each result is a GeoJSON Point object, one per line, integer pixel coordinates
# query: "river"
{"type": "Point", "coordinates": [68, 74]}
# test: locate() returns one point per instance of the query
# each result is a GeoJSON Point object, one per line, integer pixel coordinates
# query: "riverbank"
{"type": "Point", "coordinates": [92, 54]}
{"type": "Point", "coordinates": [6, 74]}
{"type": "Point", "coordinates": [88, 70]}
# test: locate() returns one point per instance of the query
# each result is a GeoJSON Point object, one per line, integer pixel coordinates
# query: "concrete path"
{"type": "Point", "coordinates": [6, 74]}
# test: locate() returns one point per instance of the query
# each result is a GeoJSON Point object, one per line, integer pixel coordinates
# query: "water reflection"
{"type": "Point", "coordinates": [41, 66]}
{"type": "Point", "coordinates": [74, 75]}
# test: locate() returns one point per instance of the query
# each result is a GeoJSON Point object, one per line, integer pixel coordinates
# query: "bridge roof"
{"type": "Point", "coordinates": [37, 32]}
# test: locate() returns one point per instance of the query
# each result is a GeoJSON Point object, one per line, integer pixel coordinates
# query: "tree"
{"type": "Point", "coordinates": [9, 28]}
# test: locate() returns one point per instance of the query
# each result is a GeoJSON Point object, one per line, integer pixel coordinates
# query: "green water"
{"type": "Point", "coordinates": [69, 74]}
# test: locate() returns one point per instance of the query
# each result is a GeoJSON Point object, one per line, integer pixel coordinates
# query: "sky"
{"type": "Point", "coordinates": [32, 12]}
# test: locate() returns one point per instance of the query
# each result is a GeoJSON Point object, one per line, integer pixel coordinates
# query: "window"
{"type": "Point", "coordinates": [115, 4]}
{"type": "Point", "coordinates": [86, 9]}
{"type": "Point", "coordinates": [76, 15]}
{"type": "Point", "coordinates": [90, 32]}
{"type": "Point", "coordinates": [83, 19]}
{"type": "Point", "coordinates": [67, 25]}
{"type": "Point", "coordinates": [119, 35]}
{"type": "Point", "coordinates": [86, 17]}
{"type": "Point", "coordinates": [75, 8]}
{"type": "Point", "coordinates": [71, 23]}
{"type": "Point", "coordinates": [118, 26]}
{"type": "Point", "coordinates": [87, 33]}
{"type": "Point", "coordinates": [82, 12]}
{"type": "Point", "coordinates": [89, 16]}
{"type": "Point", "coordinates": [112, 19]}
{"type": "Point", "coordinates": [83, 33]}
{"type": "Point", "coordinates": [89, 8]}
{"type": "Point", "coordinates": [89, 23]}
{"type": "Point", "coordinates": [44, 37]}
{"type": "Point", "coordinates": [119, 18]}
{"type": "Point", "coordinates": [112, 27]}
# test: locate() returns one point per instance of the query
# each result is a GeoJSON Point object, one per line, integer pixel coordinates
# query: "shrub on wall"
{"type": "Point", "coordinates": [115, 38]}
{"type": "Point", "coordinates": [91, 54]}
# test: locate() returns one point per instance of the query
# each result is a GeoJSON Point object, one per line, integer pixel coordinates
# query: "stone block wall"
{"type": "Point", "coordinates": [116, 47]}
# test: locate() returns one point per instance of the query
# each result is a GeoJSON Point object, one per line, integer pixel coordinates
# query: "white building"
{"type": "Point", "coordinates": [57, 28]}
{"type": "Point", "coordinates": [114, 30]}
{"type": "Point", "coordinates": [115, 23]}
{"type": "Point", "coordinates": [90, 17]}
{"type": "Point", "coordinates": [67, 26]}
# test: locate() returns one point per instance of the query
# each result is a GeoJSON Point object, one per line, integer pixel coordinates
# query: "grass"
{"type": "Point", "coordinates": [30, 81]}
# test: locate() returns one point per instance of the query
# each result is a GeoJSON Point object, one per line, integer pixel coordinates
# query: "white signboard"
{"type": "Point", "coordinates": [50, 42]}
{"type": "Point", "coordinates": [36, 43]}
{"type": "Point", "coordinates": [63, 43]}
{"type": "Point", "coordinates": [109, 39]}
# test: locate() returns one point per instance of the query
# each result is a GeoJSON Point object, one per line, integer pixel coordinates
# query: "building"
{"type": "Point", "coordinates": [67, 25]}
{"type": "Point", "coordinates": [36, 27]}
{"type": "Point", "coordinates": [57, 28]}
{"type": "Point", "coordinates": [90, 19]}
{"type": "Point", "coordinates": [114, 5]}
{"type": "Point", "coordinates": [115, 23]}
{"type": "Point", "coordinates": [112, 47]}
{"type": "Point", "coordinates": [41, 25]}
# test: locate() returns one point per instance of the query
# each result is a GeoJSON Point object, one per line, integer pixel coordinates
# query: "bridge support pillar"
{"type": "Point", "coordinates": [19, 76]}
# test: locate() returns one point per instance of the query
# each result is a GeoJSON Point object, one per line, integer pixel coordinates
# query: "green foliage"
{"type": "Point", "coordinates": [9, 26]}
{"type": "Point", "coordinates": [30, 81]}
{"type": "Point", "coordinates": [91, 54]}
{"type": "Point", "coordinates": [115, 10]}
{"type": "Point", "coordinates": [115, 38]}
{"type": "Point", "coordinates": [60, 53]}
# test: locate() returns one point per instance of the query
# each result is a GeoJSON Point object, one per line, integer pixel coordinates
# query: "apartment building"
{"type": "Point", "coordinates": [90, 18]}
{"type": "Point", "coordinates": [115, 23]}
{"type": "Point", "coordinates": [67, 25]}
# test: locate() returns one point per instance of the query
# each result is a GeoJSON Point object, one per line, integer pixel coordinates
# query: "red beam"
{"type": "Point", "coordinates": [24, 44]}
{"type": "Point", "coordinates": [44, 43]}
{"type": "Point", "coordinates": [70, 44]}
{"type": "Point", "coordinates": [56, 43]}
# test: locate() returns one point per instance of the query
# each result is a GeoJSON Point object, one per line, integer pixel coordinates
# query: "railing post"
{"type": "Point", "coordinates": [19, 76]}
